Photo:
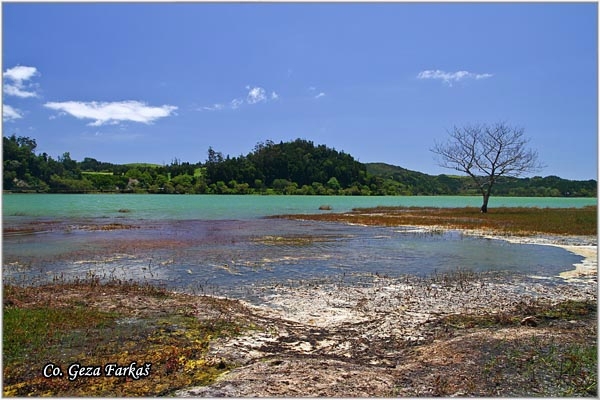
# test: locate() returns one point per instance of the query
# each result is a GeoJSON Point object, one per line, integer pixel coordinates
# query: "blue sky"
{"type": "Point", "coordinates": [151, 82]}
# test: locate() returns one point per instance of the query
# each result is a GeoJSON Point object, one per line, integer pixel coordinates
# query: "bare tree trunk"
{"type": "Point", "coordinates": [486, 198]}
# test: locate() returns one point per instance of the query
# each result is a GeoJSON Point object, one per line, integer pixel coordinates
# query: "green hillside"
{"type": "Point", "coordinates": [295, 167]}
{"type": "Point", "coordinates": [419, 183]}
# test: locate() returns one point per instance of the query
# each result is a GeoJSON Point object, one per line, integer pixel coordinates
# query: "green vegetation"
{"type": "Point", "coordinates": [559, 364]}
{"type": "Point", "coordinates": [299, 167]}
{"type": "Point", "coordinates": [501, 220]}
{"type": "Point", "coordinates": [543, 312]}
{"type": "Point", "coordinates": [95, 324]}
{"type": "Point", "coordinates": [403, 181]}
{"type": "Point", "coordinates": [30, 331]}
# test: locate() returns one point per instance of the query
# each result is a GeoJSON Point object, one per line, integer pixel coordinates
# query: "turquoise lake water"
{"type": "Point", "coordinates": [194, 242]}
{"type": "Point", "coordinates": [147, 206]}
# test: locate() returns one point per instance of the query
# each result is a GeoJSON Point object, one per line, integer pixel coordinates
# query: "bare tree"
{"type": "Point", "coordinates": [486, 153]}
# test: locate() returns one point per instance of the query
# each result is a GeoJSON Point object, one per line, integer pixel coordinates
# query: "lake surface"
{"type": "Point", "coordinates": [225, 243]}
{"type": "Point", "coordinates": [147, 206]}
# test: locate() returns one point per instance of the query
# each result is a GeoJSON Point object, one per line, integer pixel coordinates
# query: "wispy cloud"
{"type": "Point", "coordinates": [17, 81]}
{"type": "Point", "coordinates": [112, 112]}
{"type": "Point", "coordinates": [313, 89]}
{"type": "Point", "coordinates": [255, 95]}
{"type": "Point", "coordinates": [236, 103]}
{"type": "Point", "coordinates": [10, 113]}
{"type": "Point", "coordinates": [110, 137]}
{"type": "Point", "coordinates": [214, 107]}
{"type": "Point", "coordinates": [450, 77]}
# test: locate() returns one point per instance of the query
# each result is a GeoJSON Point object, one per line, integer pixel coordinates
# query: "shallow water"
{"type": "Point", "coordinates": [231, 256]}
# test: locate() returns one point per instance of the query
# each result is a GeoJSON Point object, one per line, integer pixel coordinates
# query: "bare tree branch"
{"type": "Point", "coordinates": [486, 153]}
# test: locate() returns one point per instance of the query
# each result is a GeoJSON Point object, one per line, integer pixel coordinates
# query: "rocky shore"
{"type": "Point", "coordinates": [446, 334]}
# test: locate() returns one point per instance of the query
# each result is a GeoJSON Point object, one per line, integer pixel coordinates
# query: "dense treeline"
{"type": "Point", "coordinates": [403, 181]}
{"type": "Point", "coordinates": [297, 167]}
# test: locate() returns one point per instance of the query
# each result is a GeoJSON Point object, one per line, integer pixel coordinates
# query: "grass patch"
{"type": "Point", "coordinates": [547, 367]}
{"type": "Point", "coordinates": [503, 220]}
{"type": "Point", "coordinates": [142, 165]}
{"type": "Point", "coordinates": [544, 313]}
{"type": "Point", "coordinates": [557, 357]}
{"type": "Point", "coordinates": [29, 332]}
{"type": "Point", "coordinates": [96, 324]}
{"type": "Point", "coordinates": [294, 240]}
{"type": "Point", "coordinates": [96, 173]}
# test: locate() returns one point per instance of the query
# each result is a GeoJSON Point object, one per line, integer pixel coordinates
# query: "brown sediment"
{"type": "Point", "coordinates": [521, 221]}
{"type": "Point", "coordinates": [458, 333]}
{"type": "Point", "coordinates": [452, 334]}
{"type": "Point", "coordinates": [58, 226]}
{"type": "Point", "coordinates": [437, 336]}
{"type": "Point", "coordinates": [294, 240]}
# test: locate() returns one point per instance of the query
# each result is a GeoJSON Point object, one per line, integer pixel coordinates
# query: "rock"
{"type": "Point", "coordinates": [529, 321]}
{"type": "Point", "coordinates": [325, 207]}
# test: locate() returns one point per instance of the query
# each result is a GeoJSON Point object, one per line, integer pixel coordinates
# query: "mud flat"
{"type": "Point", "coordinates": [446, 334]}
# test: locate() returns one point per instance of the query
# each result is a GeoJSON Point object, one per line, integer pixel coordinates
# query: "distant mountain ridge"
{"type": "Point", "coordinates": [420, 183]}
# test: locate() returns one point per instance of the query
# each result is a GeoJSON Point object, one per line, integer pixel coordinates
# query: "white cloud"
{"type": "Point", "coordinates": [20, 73]}
{"type": "Point", "coordinates": [114, 112]}
{"type": "Point", "coordinates": [255, 95]}
{"type": "Point", "coordinates": [10, 113]}
{"type": "Point", "coordinates": [321, 94]}
{"type": "Point", "coordinates": [449, 77]}
{"type": "Point", "coordinates": [17, 81]}
{"type": "Point", "coordinates": [14, 90]}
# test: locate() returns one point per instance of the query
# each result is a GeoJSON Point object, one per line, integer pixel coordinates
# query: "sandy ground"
{"type": "Point", "coordinates": [382, 338]}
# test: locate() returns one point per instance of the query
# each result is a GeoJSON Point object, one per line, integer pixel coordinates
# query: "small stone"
{"type": "Point", "coordinates": [529, 321]}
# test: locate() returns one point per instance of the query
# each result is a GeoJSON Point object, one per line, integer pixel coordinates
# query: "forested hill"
{"type": "Point", "coordinates": [296, 167]}
{"type": "Point", "coordinates": [413, 182]}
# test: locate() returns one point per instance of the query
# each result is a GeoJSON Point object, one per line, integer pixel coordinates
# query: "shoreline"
{"type": "Point", "coordinates": [447, 334]}
{"type": "Point", "coordinates": [370, 337]}
{"type": "Point", "coordinates": [584, 246]}
{"type": "Point", "coordinates": [395, 327]}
